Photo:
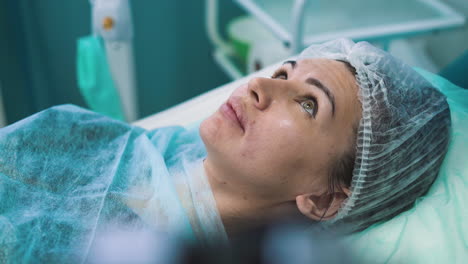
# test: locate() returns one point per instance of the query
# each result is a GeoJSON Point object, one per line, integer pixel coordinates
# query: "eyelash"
{"type": "Point", "coordinates": [282, 72]}
{"type": "Point", "coordinates": [278, 73]}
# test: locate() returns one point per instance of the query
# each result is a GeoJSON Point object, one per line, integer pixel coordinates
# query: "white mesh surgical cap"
{"type": "Point", "coordinates": [402, 136]}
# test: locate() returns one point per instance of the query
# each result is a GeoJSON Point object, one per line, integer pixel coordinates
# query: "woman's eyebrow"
{"type": "Point", "coordinates": [324, 89]}
{"type": "Point", "coordinates": [293, 63]}
{"type": "Point", "coordinates": [315, 82]}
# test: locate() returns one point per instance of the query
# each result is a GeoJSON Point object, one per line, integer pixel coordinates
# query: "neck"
{"type": "Point", "coordinates": [242, 211]}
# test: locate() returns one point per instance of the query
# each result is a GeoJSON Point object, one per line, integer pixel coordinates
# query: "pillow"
{"type": "Point", "coordinates": [435, 230]}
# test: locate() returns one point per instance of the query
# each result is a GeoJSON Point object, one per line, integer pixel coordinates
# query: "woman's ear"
{"type": "Point", "coordinates": [321, 207]}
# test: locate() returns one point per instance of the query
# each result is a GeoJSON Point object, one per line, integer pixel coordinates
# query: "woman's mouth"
{"type": "Point", "coordinates": [232, 112]}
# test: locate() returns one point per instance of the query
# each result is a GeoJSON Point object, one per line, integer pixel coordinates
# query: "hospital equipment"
{"type": "Point", "coordinates": [300, 23]}
{"type": "Point", "coordinates": [433, 231]}
{"type": "Point", "coordinates": [95, 80]}
{"type": "Point", "coordinates": [112, 22]}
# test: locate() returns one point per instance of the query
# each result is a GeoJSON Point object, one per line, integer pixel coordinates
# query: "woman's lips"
{"type": "Point", "coordinates": [229, 110]}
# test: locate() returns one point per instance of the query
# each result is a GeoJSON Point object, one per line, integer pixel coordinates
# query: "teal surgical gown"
{"type": "Point", "coordinates": [68, 175]}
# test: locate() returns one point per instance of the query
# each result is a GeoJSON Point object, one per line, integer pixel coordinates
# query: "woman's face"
{"type": "Point", "coordinates": [277, 137]}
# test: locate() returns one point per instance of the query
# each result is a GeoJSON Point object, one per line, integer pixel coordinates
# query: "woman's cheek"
{"type": "Point", "coordinates": [275, 151]}
{"type": "Point", "coordinates": [285, 124]}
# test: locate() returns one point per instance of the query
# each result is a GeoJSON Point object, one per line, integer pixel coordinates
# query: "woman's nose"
{"type": "Point", "coordinates": [261, 92]}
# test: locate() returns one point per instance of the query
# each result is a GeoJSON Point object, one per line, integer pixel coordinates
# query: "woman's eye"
{"type": "Point", "coordinates": [310, 106]}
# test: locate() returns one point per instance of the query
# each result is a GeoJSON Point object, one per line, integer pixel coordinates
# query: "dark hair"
{"type": "Point", "coordinates": [341, 171]}
{"type": "Point", "coordinates": [350, 67]}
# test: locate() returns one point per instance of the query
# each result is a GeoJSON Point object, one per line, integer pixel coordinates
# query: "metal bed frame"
{"type": "Point", "coordinates": [293, 34]}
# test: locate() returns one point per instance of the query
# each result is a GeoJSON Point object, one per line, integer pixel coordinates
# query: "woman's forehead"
{"type": "Point", "coordinates": [332, 72]}
{"type": "Point", "coordinates": [319, 64]}
{"type": "Point", "coordinates": [340, 80]}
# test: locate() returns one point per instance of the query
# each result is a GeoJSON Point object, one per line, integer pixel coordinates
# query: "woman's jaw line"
{"type": "Point", "coordinates": [241, 211]}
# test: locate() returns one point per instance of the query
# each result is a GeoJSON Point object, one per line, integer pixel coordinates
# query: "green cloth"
{"type": "Point", "coordinates": [95, 80]}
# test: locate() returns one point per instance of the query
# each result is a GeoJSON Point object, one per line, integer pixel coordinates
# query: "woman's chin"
{"type": "Point", "coordinates": [208, 130]}
{"type": "Point", "coordinates": [212, 135]}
